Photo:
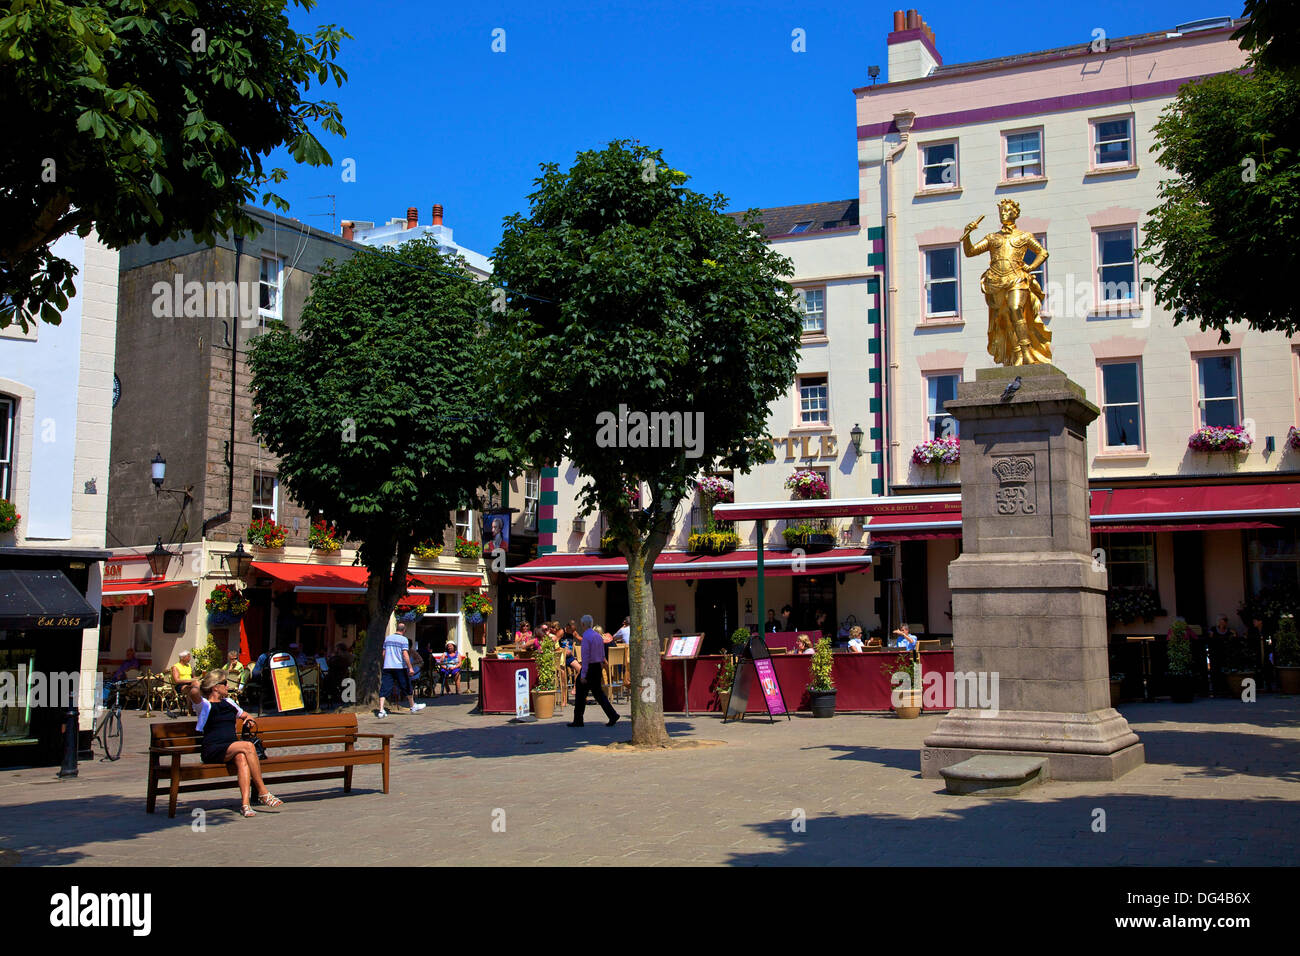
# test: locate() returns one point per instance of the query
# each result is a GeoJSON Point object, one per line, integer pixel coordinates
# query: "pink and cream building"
{"type": "Point", "coordinates": [1067, 134]}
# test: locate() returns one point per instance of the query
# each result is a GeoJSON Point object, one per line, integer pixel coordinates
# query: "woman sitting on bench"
{"type": "Point", "coordinates": [217, 717]}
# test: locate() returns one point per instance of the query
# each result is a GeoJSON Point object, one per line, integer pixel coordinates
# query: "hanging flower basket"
{"type": "Point", "coordinates": [808, 485]}
{"type": "Point", "coordinates": [9, 516]}
{"type": "Point", "coordinates": [226, 605]}
{"type": "Point", "coordinates": [224, 618]}
{"type": "Point", "coordinates": [474, 618]}
{"type": "Point", "coordinates": [1220, 438]}
{"type": "Point", "coordinates": [1293, 439]}
{"type": "Point", "coordinates": [476, 607]}
{"type": "Point", "coordinates": [937, 451]}
{"type": "Point", "coordinates": [719, 491]}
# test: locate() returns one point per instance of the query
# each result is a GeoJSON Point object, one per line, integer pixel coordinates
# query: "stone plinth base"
{"type": "Point", "coordinates": [996, 774]}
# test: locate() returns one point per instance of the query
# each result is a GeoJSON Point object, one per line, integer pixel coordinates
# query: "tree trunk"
{"type": "Point", "coordinates": [646, 684]}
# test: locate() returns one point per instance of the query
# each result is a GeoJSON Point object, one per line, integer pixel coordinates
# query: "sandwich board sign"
{"type": "Point", "coordinates": [755, 670]}
{"type": "Point", "coordinates": [521, 693]}
{"type": "Point", "coordinates": [285, 683]}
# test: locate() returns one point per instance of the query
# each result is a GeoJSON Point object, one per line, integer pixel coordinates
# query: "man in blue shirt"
{"type": "Point", "coordinates": [398, 671]}
{"type": "Point", "coordinates": [593, 657]}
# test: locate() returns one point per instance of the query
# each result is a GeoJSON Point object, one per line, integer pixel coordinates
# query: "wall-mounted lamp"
{"type": "Point", "coordinates": [579, 525]}
{"type": "Point", "coordinates": [159, 559]}
{"type": "Point", "coordinates": [238, 561]}
{"type": "Point", "coordinates": [690, 582]}
{"type": "Point", "coordinates": [1269, 444]}
{"type": "Point", "coordinates": [740, 583]}
{"type": "Point", "coordinates": [158, 468]}
{"type": "Point", "coordinates": [855, 436]}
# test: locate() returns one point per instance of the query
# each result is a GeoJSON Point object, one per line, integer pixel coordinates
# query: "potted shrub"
{"type": "Point", "coordinates": [821, 690]}
{"type": "Point", "coordinates": [226, 605]}
{"type": "Point", "coordinates": [725, 679]}
{"type": "Point", "coordinates": [476, 607]}
{"type": "Point", "coordinates": [808, 485]}
{"type": "Point", "coordinates": [267, 535]}
{"type": "Point", "coordinates": [544, 693]}
{"type": "Point", "coordinates": [1182, 678]}
{"type": "Point", "coordinates": [905, 693]}
{"type": "Point", "coordinates": [1239, 664]}
{"type": "Point", "coordinates": [1286, 656]}
{"type": "Point", "coordinates": [9, 516]}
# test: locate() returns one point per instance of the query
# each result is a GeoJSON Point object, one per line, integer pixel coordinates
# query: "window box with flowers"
{"type": "Point", "coordinates": [9, 516]}
{"type": "Point", "coordinates": [1228, 439]}
{"type": "Point", "coordinates": [1293, 438]}
{"type": "Point", "coordinates": [1126, 605]}
{"type": "Point", "coordinates": [476, 607]}
{"type": "Point", "coordinates": [813, 535]}
{"type": "Point", "coordinates": [324, 538]}
{"type": "Point", "coordinates": [716, 537]}
{"type": "Point", "coordinates": [267, 535]}
{"type": "Point", "coordinates": [466, 548]}
{"type": "Point", "coordinates": [427, 551]}
{"type": "Point", "coordinates": [226, 605]}
{"type": "Point", "coordinates": [937, 452]}
{"type": "Point", "coordinates": [808, 485]}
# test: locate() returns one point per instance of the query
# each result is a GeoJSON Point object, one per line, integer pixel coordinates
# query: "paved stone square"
{"type": "Point", "coordinates": [1221, 786]}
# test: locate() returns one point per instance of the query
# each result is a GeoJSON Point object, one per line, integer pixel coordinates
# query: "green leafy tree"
{"type": "Point", "coordinates": [1227, 230]}
{"type": "Point", "coordinates": [625, 287]}
{"type": "Point", "coordinates": [375, 408]}
{"type": "Point", "coordinates": [145, 121]}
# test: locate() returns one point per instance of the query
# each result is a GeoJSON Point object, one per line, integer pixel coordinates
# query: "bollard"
{"type": "Point", "coordinates": [69, 768]}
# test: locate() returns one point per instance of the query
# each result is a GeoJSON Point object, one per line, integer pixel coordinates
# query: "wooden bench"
{"type": "Point", "coordinates": [170, 742]}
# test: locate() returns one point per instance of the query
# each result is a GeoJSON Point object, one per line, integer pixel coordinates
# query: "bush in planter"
{"type": "Point", "coordinates": [1179, 656]}
{"type": "Point", "coordinates": [545, 658]}
{"type": "Point", "coordinates": [1270, 604]}
{"type": "Point", "coordinates": [1287, 653]}
{"type": "Point", "coordinates": [821, 689]}
{"type": "Point", "coordinates": [901, 690]}
{"type": "Point", "coordinates": [208, 657]}
{"type": "Point", "coordinates": [9, 516]}
{"type": "Point", "coordinates": [1127, 605]}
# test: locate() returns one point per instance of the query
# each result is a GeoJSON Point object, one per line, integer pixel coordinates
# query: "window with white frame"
{"type": "Point", "coordinates": [271, 288]}
{"type": "Point", "coordinates": [1116, 265]}
{"type": "Point", "coordinates": [1112, 142]}
{"type": "Point", "coordinates": [532, 495]}
{"type": "Point", "coordinates": [266, 495]}
{"type": "Point", "coordinates": [1024, 153]}
{"type": "Point", "coordinates": [465, 524]}
{"type": "Point", "coordinates": [1041, 272]}
{"type": "Point", "coordinates": [814, 400]}
{"type": "Point", "coordinates": [1121, 404]}
{"type": "Point", "coordinates": [939, 388]}
{"type": "Point", "coordinates": [1219, 395]}
{"type": "Point", "coordinates": [941, 281]}
{"type": "Point", "coordinates": [7, 408]}
{"type": "Point", "coordinates": [939, 165]}
{"type": "Point", "coordinates": [814, 311]}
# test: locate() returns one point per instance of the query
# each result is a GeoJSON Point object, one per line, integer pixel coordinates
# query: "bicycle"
{"type": "Point", "coordinates": [109, 731]}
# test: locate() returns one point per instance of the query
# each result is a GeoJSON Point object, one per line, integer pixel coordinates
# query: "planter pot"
{"type": "Point", "coordinates": [822, 702]}
{"type": "Point", "coordinates": [1288, 680]}
{"type": "Point", "coordinates": [907, 704]}
{"type": "Point", "coordinates": [1115, 686]}
{"type": "Point", "coordinates": [1235, 681]}
{"type": "Point", "coordinates": [475, 618]}
{"type": "Point", "coordinates": [543, 704]}
{"type": "Point", "coordinates": [724, 698]}
{"type": "Point", "coordinates": [1182, 688]}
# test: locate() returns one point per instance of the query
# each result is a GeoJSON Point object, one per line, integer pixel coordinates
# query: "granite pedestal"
{"type": "Point", "coordinates": [1028, 601]}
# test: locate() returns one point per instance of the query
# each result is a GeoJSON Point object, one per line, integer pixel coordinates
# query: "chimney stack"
{"type": "Point", "coordinates": [348, 226]}
{"type": "Point", "coordinates": [412, 217]}
{"type": "Point", "coordinates": [437, 214]}
{"type": "Point", "coordinates": [912, 50]}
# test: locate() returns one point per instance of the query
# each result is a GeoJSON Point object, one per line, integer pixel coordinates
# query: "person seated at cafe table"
{"type": "Point", "coordinates": [903, 638]}
{"type": "Point", "coordinates": [450, 665]}
{"type": "Point", "coordinates": [183, 674]}
{"type": "Point", "coordinates": [132, 663]}
{"type": "Point", "coordinates": [803, 645]}
{"type": "Point", "coordinates": [236, 672]}
{"type": "Point", "coordinates": [855, 640]}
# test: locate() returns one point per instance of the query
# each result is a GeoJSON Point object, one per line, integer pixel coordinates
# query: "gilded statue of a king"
{"type": "Point", "coordinates": [1017, 335]}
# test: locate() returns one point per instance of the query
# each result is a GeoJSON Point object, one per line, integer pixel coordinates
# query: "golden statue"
{"type": "Point", "coordinates": [1017, 335]}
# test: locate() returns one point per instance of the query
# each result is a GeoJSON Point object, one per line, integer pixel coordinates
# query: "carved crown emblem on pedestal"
{"type": "Point", "coordinates": [1010, 471]}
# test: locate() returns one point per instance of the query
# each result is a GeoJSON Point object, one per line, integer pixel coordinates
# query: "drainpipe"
{"type": "Point", "coordinates": [903, 120]}
{"type": "Point", "coordinates": [234, 358]}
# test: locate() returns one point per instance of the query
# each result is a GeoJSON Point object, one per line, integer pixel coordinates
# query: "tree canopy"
{"type": "Point", "coordinates": [628, 289]}
{"type": "Point", "coordinates": [1227, 230]}
{"type": "Point", "coordinates": [146, 121]}
{"type": "Point", "coordinates": [376, 408]}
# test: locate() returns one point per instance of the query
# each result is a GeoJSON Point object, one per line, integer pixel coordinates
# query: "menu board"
{"type": "Point", "coordinates": [684, 646]}
{"type": "Point", "coordinates": [284, 680]}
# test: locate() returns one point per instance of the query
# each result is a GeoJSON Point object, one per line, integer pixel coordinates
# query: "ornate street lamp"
{"type": "Point", "coordinates": [856, 437]}
{"type": "Point", "coordinates": [238, 561]}
{"type": "Point", "coordinates": [159, 560]}
{"type": "Point", "coordinates": [158, 470]}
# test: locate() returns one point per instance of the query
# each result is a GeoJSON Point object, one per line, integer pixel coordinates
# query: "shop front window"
{"type": "Point", "coordinates": [1130, 559]}
{"type": "Point", "coordinates": [1274, 559]}
{"type": "Point", "coordinates": [17, 666]}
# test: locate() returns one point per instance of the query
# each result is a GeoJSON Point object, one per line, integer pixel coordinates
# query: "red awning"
{"type": "Point", "coordinates": [134, 593]}
{"type": "Point", "coordinates": [679, 566]}
{"type": "Point", "coordinates": [337, 584]}
{"type": "Point", "coordinates": [915, 518]}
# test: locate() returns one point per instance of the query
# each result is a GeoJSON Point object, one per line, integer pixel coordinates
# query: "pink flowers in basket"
{"type": "Point", "coordinates": [718, 490]}
{"type": "Point", "coordinates": [937, 451]}
{"type": "Point", "coordinates": [1221, 438]}
{"type": "Point", "coordinates": [808, 485]}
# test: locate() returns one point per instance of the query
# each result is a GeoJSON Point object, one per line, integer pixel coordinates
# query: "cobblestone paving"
{"type": "Point", "coordinates": [1221, 786]}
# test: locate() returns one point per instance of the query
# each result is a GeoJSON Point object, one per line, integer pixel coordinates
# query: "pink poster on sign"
{"type": "Point", "coordinates": [771, 689]}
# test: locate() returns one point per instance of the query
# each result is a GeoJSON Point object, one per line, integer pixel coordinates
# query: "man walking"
{"type": "Point", "coordinates": [589, 678]}
{"type": "Point", "coordinates": [397, 670]}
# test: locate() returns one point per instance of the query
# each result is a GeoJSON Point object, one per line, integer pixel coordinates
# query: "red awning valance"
{"type": "Point", "coordinates": [134, 593]}
{"type": "Point", "coordinates": [324, 583]}
{"type": "Point", "coordinates": [680, 566]}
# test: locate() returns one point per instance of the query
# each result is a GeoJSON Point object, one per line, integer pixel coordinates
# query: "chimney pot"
{"type": "Point", "coordinates": [899, 20]}
{"type": "Point", "coordinates": [437, 214]}
{"type": "Point", "coordinates": [913, 20]}
{"type": "Point", "coordinates": [348, 226]}
{"type": "Point", "coordinates": [412, 217]}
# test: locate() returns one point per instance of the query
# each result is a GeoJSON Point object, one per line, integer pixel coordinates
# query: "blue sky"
{"type": "Point", "coordinates": [434, 115]}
